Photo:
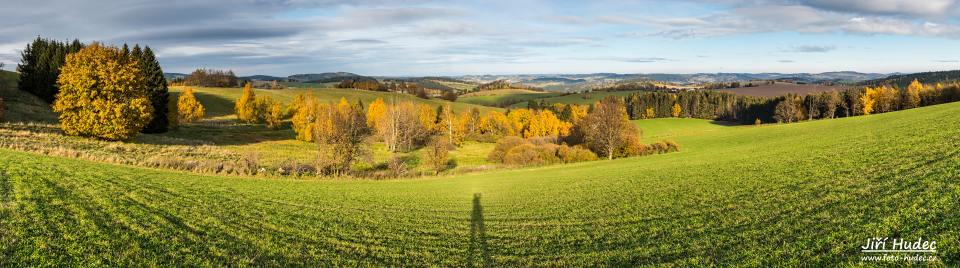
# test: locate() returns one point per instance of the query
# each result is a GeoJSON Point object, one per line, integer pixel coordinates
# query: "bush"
{"type": "Point", "coordinates": [503, 145]}
{"type": "Point", "coordinates": [102, 94]}
{"type": "Point", "coordinates": [246, 105]}
{"type": "Point", "coordinates": [438, 153]}
{"type": "Point", "coordinates": [524, 154]}
{"type": "Point", "coordinates": [189, 110]}
{"type": "Point", "coordinates": [274, 116]}
{"type": "Point", "coordinates": [575, 154]}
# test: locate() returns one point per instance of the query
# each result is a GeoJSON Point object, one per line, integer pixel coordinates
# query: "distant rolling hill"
{"type": "Point", "coordinates": [902, 80]}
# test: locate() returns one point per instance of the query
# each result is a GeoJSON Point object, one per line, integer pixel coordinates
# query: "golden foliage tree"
{"type": "Point", "coordinates": [496, 124]}
{"type": "Point", "coordinates": [246, 105]}
{"type": "Point", "coordinates": [675, 111]}
{"type": "Point", "coordinates": [375, 113]}
{"type": "Point", "coordinates": [912, 98]}
{"type": "Point", "coordinates": [868, 100]}
{"type": "Point", "coordinates": [428, 117]}
{"type": "Point", "coordinates": [339, 131]}
{"type": "Point", "coordinates": [274, 117]}
{"type": "Point", "coordinates": [649, 113]}
{"type": "Point", "coordinates": [451, 126]}
{"type": "Point", "coordinates": [545, 123]}
{"type": "Point", "coordinates": [188, 108]}
{"type": "Point", "coordinates": [520, 118]}
{"type": "Point", "coordinates": [304, 117]}
{"type": "Point", "coordinates": [102, 94]}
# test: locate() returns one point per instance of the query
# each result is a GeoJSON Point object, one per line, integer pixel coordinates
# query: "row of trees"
{"type": "Point", "coordinates": [788, 108]}
{"type": "Point", "coordinates": [40, 64]}
{"type": "Point", "coordinates": [209, 78]}
{"type": "Point", "coordinates": [252, 109]}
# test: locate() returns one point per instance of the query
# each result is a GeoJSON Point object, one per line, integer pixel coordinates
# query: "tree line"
{"type": "Point", "coordinates": [788, 108]}
{"type": "Point", "coordinates": [208, 78]}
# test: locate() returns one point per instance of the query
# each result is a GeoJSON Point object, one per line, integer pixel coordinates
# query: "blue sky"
{"type": "Point", "coordinates": [507, 37]}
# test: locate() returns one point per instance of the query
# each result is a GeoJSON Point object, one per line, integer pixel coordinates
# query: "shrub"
{"type": "Point", "coordinates": [102, 94]}
{"type": "Point", "coordinates": [274, 116]}
{"type": "Point", "coordinates": [524, 154]}
{"type": "Point", "coordinates": [572, 154]}
{"type": "Point", "coordinates": [438, 153]}
{"type": "Point", "coordinates": [246, 105]}
{"type": "Point", "coordinates": [503, 145]}
{"type": "Point", "coordinates": [189, 110]}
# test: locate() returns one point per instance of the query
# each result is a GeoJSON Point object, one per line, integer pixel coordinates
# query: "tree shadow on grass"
{"type": "Point", "coordinates": [724, 123]}
{"type": "Point", "coordinates": [477, 253]}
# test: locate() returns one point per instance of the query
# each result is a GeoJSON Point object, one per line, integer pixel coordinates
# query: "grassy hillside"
{"type": "Point", "coordinates": [22, 106]}
{"type": "Point", "coordinates": [803, 194]}
{"type": "Point", "coordinates": [219, 102]}
{"type": "Point", "coordinates": [503, 97]}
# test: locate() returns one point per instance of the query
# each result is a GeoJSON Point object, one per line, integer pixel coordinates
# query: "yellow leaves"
{"type": "Point", "coordinates": [868, 99]}
{"type": "Point", "coordinates": [188, 108]}
{"type": "Point", "coordinates": [519, 118]}
{"type": "Point", "coordinates": [375, 113]}
{"type": "Point", "coordinates": [913, 94]}
{"type": "Point", "coordinates": [428, 117]}
{"type": "Point", "coordinates": [304, 118]}
{"type": "Point", "coordinates": [649, 114]}
{"type": "Point", "coordinates": [274, 116]}
{"type": "Point", "coordinates": [245, 106]}
{"type": "Point", "coordinates": [675, 111]}
{"type": "Point", "coordinates": [578, 112]}
{"type": "Point", "coordinates": [544, 123]}
{"type": "Point", "coordinates": [102, 94]}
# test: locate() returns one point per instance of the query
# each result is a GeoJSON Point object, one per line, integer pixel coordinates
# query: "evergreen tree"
{"type": "Point", "coordinates": [40, 64]}
{"type": "Point", "coordinates": [156, 89]}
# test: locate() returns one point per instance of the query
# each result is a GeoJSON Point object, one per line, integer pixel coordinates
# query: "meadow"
{"type": "Point", "coordinates": [504, 97]}
{"type": "Point", "coordinates": [802, 194]}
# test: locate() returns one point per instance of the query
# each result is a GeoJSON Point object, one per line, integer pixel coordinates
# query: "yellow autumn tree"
{"type": "Point", "coordinates": [496, 124]}
{"type": "Point", "coordinates": [246, 105]}
{"type": "Point", "coordinates": [544, 123]}
{"type": "Point", "coordinates": [304, 118]}
{"type": "Point", "coordinates": [375, 113]}
{"type": "Point", "coordinates": [428, 117]}
{"type": "Point", "coordinates": [578, 112]}
{"type": "Point", "coordinates": [102, 94]}
{"type": "Point", "coordinates": [451, 127]}
{"type": "Point", "coordinates": [912, 98]}
{"type": "Point", "coordinates": [274, 116]}
{"type": "Point", "coordinates": [520, 119]}
{"type": "Point", "coordinates": [649, 114]}
{"type": "Point", "coordinates": [868, 99]}
{"type": "Point", "coordinates": [675, 111]}
{"type": "Point", "coordinates": [189, 110]}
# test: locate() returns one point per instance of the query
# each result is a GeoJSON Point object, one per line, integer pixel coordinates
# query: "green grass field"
{"type": "Point", "coordinates": [504, 97]}
{"type": "Point", "coordinates": [803, 194]}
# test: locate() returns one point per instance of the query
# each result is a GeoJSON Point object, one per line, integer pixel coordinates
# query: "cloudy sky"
{"type": "Point", "coordinates": [506, 37]}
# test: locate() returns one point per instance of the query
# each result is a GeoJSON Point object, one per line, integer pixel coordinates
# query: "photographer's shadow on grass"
{"type": "Point", "coordinates": [477, 254]}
